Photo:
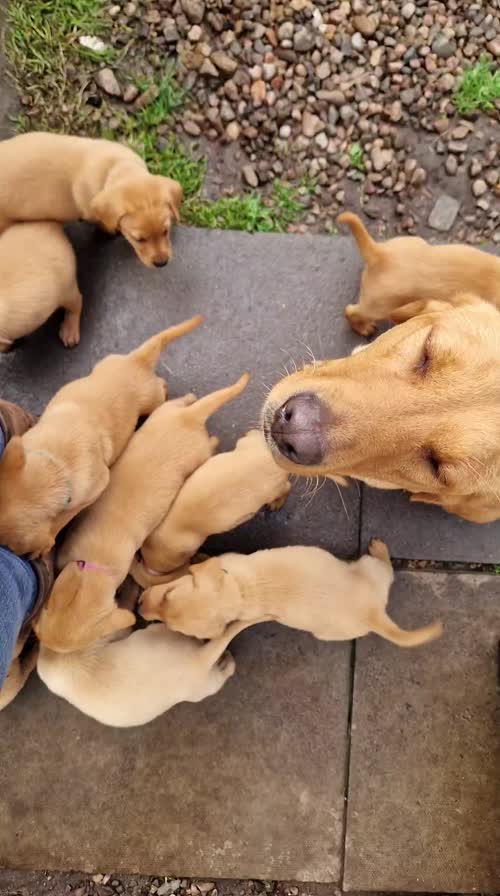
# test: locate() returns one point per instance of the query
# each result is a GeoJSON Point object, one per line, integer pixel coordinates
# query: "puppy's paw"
{"type": "Point", "coordinates": [378, 548]}
{"type": "Point", "coordinates": [359, 324]}
{"type": "Point", "coordinates": [227, 664]}
{"type": "Point", "coordinates": [69, 332]}
{"type": "Point", "coordinates": [278, 503]}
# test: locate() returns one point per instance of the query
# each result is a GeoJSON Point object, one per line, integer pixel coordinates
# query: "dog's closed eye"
{"type": "Point", "coordinates": [424, 362]}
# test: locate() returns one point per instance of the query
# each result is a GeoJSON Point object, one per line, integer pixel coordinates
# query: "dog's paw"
{"type": "Point", "coordinates": [378, 548]}
{"type": "Point", "coordinates": [69, 332]}
{"type": "Point", "coordinates": [278, 503]}
{"type": "Point", "coordinates": [359, 324]}
{"type": "Point", "coordinates": [227, 664]}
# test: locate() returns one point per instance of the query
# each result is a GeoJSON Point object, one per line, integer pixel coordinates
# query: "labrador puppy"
{"type": "Point", "coordinates": [62, 178]}
{"type": "Point", "coordinates": [37, 276]}
{"type": "Point", "coordinates": [132, 681]}
{"type": "Point", "coordinates": [61, 465]}
{"type": "Point", "coordinates": [408, 269]}
{"type": "Point", "coordinates": [302, 587]}
{"type": "Point", "coordinates": [418, 409]}
{"type": "Point", "coordinates": [226, 491]}
{"type": "Point", "coordinates": [96, 556]}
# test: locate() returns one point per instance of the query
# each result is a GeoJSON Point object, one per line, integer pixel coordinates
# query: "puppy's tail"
{"type": "Point", "coordinates": [382, 625]}
{"type": "Point", "coordinates": [209, 404]}
{"type": "Point", "coordinates": [370, 250]}
{"type": "Point", "coordinates": [149, 352]}
{"type": "Point", "coordinates": [211, 652]}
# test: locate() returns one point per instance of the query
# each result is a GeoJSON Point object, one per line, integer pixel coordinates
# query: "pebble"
{"type": "Point", "coordinates": [381, 158]}
{"type": "Point", "coordinates": [130, 94]}
{"type": "Point", "coordinates": [303, 40]}
{"type": "Point", "coordinates": [451, 165]}
{"type": "Point", "coordinates": [106, 80]}
{"type": "Point", "coordinates": [195, 34]}
{"type": "Point", "coordinates": [365, 24]}
{"type": "Point", "coordinates": [479, 188]}
{"type": "Point", "coordinates": [225, 63]}
{"type": "Point", "coordinates": [358, 42]}
{"type": "Point", "coordinates": [408, 11]}
{"type": "Point", "coordinates": [311, 124]}
{"type": "Point", "coordinates": [194, 10]}
{"type": "Point", "coordinates": [444, 213]}
{"type": "Point", "coordinates": [443, 47]}
{"type": "Point", "coordinates": [170, 32]}
{"type": "Point", "coordinates": [250, 176]}
{"type": "Point", "coordinates": [233, 131]}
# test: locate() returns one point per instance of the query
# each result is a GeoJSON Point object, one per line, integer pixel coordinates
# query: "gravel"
{"type": "Point", "coordinates": [293, 86]}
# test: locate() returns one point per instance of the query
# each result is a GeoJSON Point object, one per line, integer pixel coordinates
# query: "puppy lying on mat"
{"type": "Point", "coordinates": [130, 682]}
{"type": "Point", "coordinates": [60, 178]}
{"type": "Point", "coordinates": [408, 270]}
{"type": "Point", "coordinates": [302, 587]}
{"type": "Point", "coordinates": [37, 276]}
{"type": "Point", "coordinates": [226, 491]}
{"type": "Point", "coordinates": [61, 465]}
{"type": "Point", "coordinates": [97, 554]}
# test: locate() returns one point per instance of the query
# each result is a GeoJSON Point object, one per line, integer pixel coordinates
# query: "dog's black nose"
{"type": "Point", "coordinates": [160, 264]}
{"type": "Point", "coordinates": [298, 429]}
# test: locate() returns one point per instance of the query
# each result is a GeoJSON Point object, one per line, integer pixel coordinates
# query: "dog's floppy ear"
{"type": "Point", "coordinates": [115, 621]}
{"type": "Point", "coordinates": [210, 568]}
{"type": "Point", "coordinates": [108, 207]}
{"type": "Point", "coordinates": [14, 457]}
{"type": "Point", "coordinates": [174, 196]}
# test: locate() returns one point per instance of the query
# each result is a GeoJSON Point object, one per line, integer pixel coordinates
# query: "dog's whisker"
{"type": "Point", "coordinates": [342, 499]}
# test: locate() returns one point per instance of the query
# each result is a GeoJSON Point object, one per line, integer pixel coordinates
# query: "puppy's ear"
{"type": "Point", "coordinates": [174, 196]}
{"type": "Point", "coordinates": [211, 569]}
{"type": "Point", "coordinates": [108, 207]}
{"type": "Point", "coordinates": [13, 458]}
{"type": "Point", "coordinates": [116, 621]}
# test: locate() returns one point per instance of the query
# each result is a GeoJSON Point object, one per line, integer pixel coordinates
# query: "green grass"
{"type": "Point", "coordinates": [42, 47]}
{"type": "Point", "coordinates": [249, 212]}
{"type": "Point", "coordinates": [52, 72]}
{"type": "Point", "coordinates": [479, 87]}
{"type": "Point", "coordinates": [356, 157]}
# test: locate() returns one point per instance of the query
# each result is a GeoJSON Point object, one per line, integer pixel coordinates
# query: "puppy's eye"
{"type": "Point", "coordinates": [433, 462]}
{"type": "Point", "coordinates": [424, 362]}
{"type": "Point", "coordinates": [166, 232]}
{"type": "Point", "coordinates": [138, 239]}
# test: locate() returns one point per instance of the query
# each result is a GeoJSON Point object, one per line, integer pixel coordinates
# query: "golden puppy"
{"type": "Point", "coordinates": [37, 276]}
{"type": "Point", "coordinates": [61, 465]}
{"type": "Point", "coordinates": [62, 178]}
{"type": "Point", "coordinates": [302, 587]}
{"type": "Point", "coordinates": [226, 491]}
{"type": "Point", "coordinates": [407, 269]}
{"type": "Point", "coordinates": [132, 681]}
{"type": "Point", "coordinates": [418, 409]}
{"type": "Point", "coordinates": [98, 552]}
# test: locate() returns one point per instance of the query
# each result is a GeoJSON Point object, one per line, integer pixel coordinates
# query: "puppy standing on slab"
{"type": "Point", "coordinates": [408, 270]}
{"type": "Point", "coordinates": [61, 465]}
{"type": "Point", "coordinates": [60, 178]}
{"type": "Point", "coordinates": [132, 681]}
{"type": "Point", "coordinates": [226, 491]}
{"type": "Point", "coordinates": [303, 587]}
{"type": "Point", "coordinates": [97, 554]}
{"type": "Point", "coordinates": [37, 276]}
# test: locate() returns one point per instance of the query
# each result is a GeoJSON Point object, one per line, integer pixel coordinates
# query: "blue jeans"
{"type": "Point", "coordinates": [18, 591]}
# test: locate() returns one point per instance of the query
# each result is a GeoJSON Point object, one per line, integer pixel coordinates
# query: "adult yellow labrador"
{"type": "Point", "coordinates": [418, 409]}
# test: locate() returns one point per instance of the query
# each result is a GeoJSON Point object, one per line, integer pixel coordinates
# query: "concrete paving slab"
{"type": "Point", "coordinates": [422, 532]}
{"type": "Point", "coordinates": [264, 296]}
{"type": "Point", "coordinates": [249, 783]}
{"type": "Point", "coordinates": [423, 799]}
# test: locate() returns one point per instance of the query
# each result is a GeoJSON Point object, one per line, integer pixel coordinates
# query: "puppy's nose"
{"type": "Point", "coordinates": [298, 429]}
{"type": "Point", "coordinates": [160, 264]}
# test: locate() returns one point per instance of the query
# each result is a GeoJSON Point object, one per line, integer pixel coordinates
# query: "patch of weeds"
{"type": "Point", "coordinates": [170, 96]}
{"type": "Point", "coordinates": [479, 87]}
{"type": "Point", "coordinates": [356, 157]}
{"type": "Point", "coordinates": [43, 49]}
{"type": "Point", "coordinates": [250, 212]}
